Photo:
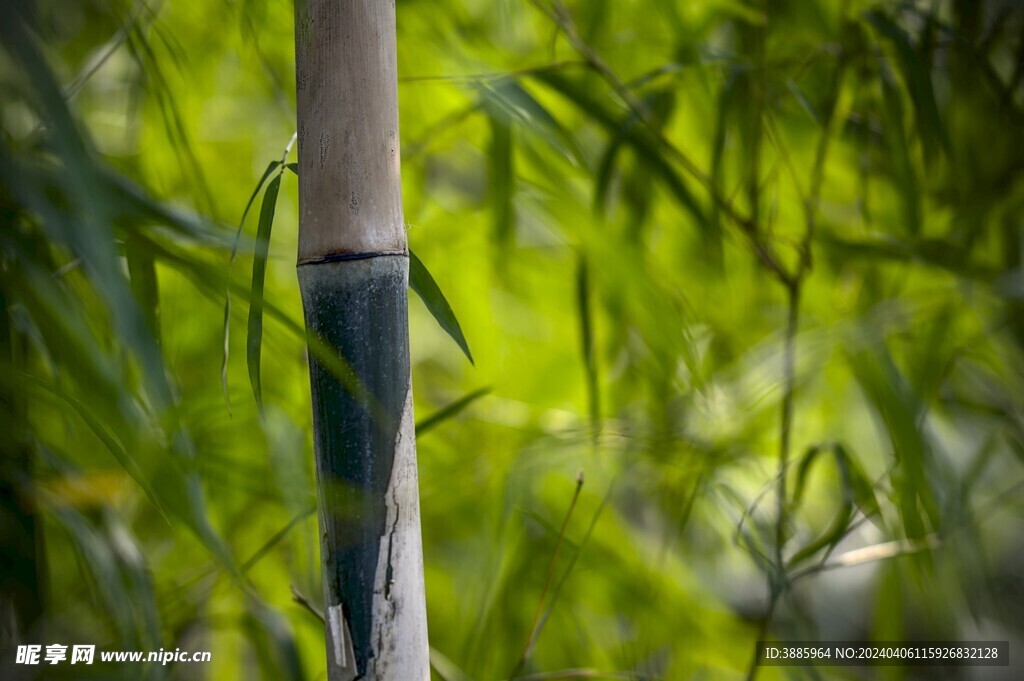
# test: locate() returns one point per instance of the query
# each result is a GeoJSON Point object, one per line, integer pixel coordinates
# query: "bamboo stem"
{"type": "Point", "coordinates": [353, 275]}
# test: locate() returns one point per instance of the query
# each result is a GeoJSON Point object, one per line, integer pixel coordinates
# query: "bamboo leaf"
{"type": "Point", "coordinates": [509, 101]}
{"type": "Point", "coordinates": [861, 490]}
{"type": "Point", "coordinates": [904, 168]}
{"type": "Point", "coordinates": [259, 270]}
{"type": "Point", "coordinates": [427, 289]}
{"type": "Point", "coordinates": [604, 174]}
{"type": "Point", "coordinates": [918, 79]}
{"type": "Point", "coordinates": [893, 400]}
{"type": "Point", "coordinates": [109, 440]}
{"type": "Point", "coordinates": [275, 643]}
{"type": "Point", "coordinates": [501, 182]}
{"type": "Point", "coordinates": [829, 538]}
{"type": "Point", "coordinates": [856, 491]}
{"type": "Point", "coordinates": [639, 138]}
{"type": "Point", "coordinates": [449, 411]}
{"type": "Point", "coordinates": [226, 334]}
{"type": "Point", "coordinates": [587, 346]}
{"type": "Point", "coordinates": [271, 167]}
{"type": "Point", "coordinates": [142, 274]}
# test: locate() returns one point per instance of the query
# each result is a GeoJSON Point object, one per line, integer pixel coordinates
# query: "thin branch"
{"type": "Point", "coordinates": [871, 554]}
{"type": "Point", "coordinates": [493, 75]}
{"type": "Point", "coordinates": [547, 580]}
{"type": "Point", "coordinates": [301, 599]}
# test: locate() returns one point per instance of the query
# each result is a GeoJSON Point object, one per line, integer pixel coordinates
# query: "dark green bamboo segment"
{"type": "Point", "coordinates": [358, 307]}
{"type": "Point", "coordinates": [21, 578]}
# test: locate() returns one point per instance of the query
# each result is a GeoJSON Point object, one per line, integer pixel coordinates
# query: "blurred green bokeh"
{"type": "Point", "coordinates": [616, 198]}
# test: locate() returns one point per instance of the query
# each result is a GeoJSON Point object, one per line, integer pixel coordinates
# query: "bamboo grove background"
{"type": "Point", "coordinates": [754, 267]}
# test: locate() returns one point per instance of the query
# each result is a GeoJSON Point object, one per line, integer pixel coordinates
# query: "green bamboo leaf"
{"type": "Point", "coordinates": [501, 182]}
{"type": "Point", "coordinates": [840, 521]}
{"type": "Point", "coordinates": [107, 582]}
{"type": "Point", "coordinates": [109, 440]}
{"type": "Point", "coordinates": [294, 167]}
{"type": "Point", "coordinates": [804, 102]}
{"type": "Point", "coordinates": [445, 668]}
{"type": "Point", "coordinates": [604, 174]}
{"type": "Point", "coordinates": [806, 461]}
{"type": "Point", "coordinates": [142, 275]}
{"type": "Point", "coordinates": [226, 324]}
{"type": "Point", "coordinates": [508, 100]}
{"type": "Point", "coordinates": [639, 138]}
{"type": "Point", "coordinates": [271, 167]}
{"type": "Point", "coordinates": [275, 644]}
{"type": "Point", "coordinates": [552, 531]}
{"type": "Point", "coordinates": [918, 79]}
{"type": "Point", "coordinates": [587, 346]}
{"type": "Point", "coordinates": [893, 400]}
{"type": "Point", "coordinates": [426, 288]}
{"type": "Point", "coordinates": [900, 151]}
{"type": "Point", "coordinates": [829, 538]}
{"type": "Point", "coordinates": [856, 481]}
{"type": "Point", "coordinates": [449, 411]}
{"type": "Point", "coordinates": [254, 341]}
{"type": "Point", "coordinates": [857, 492]}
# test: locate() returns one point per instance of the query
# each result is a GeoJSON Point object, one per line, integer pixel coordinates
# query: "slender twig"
{"type": "Point", "coordinates": [493, 75]}
{"type": "Point", "coordinates": [302, 600]}
{"type": "Point", "coordinates": [547, 580]}
{"type": "Point", "coordinates": [871, 554]}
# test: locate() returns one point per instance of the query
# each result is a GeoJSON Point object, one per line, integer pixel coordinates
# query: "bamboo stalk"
{"type": "Point", "coordinates": [353, 274]}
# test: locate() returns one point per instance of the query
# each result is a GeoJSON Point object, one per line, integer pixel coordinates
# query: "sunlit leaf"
{"type": "Point", "coordinates": [254, 340]}
{"type": "Point", "coordinates": [448, 411]}
{"type": "Point", "coordinates": [427, 289]}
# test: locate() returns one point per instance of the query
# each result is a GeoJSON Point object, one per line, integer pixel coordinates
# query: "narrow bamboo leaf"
{"type": "Point", "coordinates": [587, 346]}
{"type": "Point", "coordinates": [856, 487]}
{"type": "Point", "coordinates": [501, 183]}
{"type": "Point", "coordinates": [638, 190]}
{"type": "Point", "coordinates": [830, 537]}
{"type": "Point", "coordinates": [448, 411]}
{"type": "Point", "coordinates": [112, 443]}
{"type": "Point", "coordinates": [802, 471]}
{"type": "Point", "coordinates": [604, 175]}
{"type": "Point", "coordinates": [508, 100]}
{"type": "Point", "coordinates": [107, 583]}
{"type": "Point", "coordinates": [445, 668]}
{"type": "Point", "coordinates": [919, 82]}
{"type": "Point", "coordinates": [90, 233]}
{"type": "Point", "coordinates": [726, 102]}
{"type": "Point", "coordinates": [275, 644]}
{"type": "Point", "coordinates": [426, 288]}
{"type": "Point", "coordinates": [904, 168]}
{"type": "Point", "coordinates": [895, 403]}
{"type": "Point", "coordinates": [639, 138]}
{"type": "Point", "coordinates": [226, 334]}
{"type": "Point", "coordinates": [861, 489]}
{"type": "Point", "coordinates": [294, 167]}
{"type": "Point", "coordinates": [549, 528]}
{"type": "Point", "coordinates": [254, 341]}
{"type": "Point", "coordinates": [273, 165]}
{"type": "Point", "coordinates": [142, 274]}
{"type": "Point", "coordinates": [856, 492]}
{"type": "Point", "coordinates": [939, 253]}
{"type": "Point", "coordinates": [805, 103]}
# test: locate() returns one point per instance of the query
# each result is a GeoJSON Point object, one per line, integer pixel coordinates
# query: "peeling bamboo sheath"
{"type": "Point", "coordinates": [353, 274]}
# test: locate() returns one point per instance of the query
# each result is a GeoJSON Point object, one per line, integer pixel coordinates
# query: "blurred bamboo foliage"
{"type": "Point", "coordinates": [754, 266]}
